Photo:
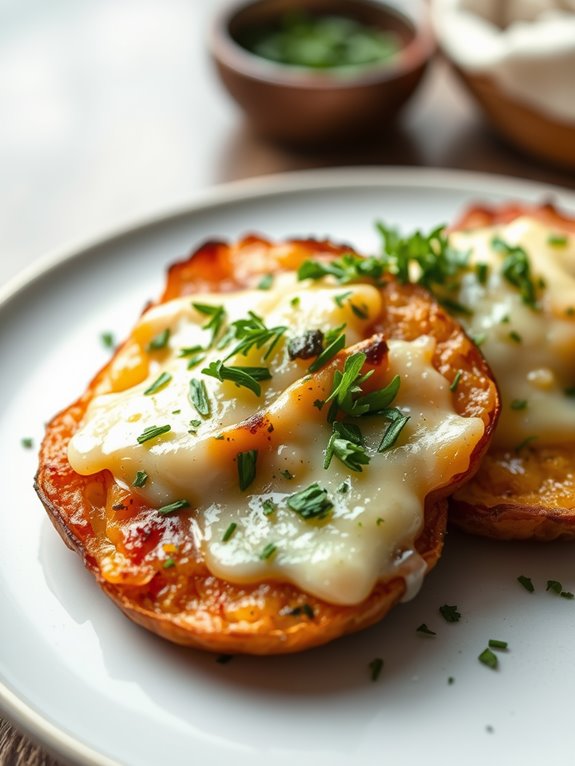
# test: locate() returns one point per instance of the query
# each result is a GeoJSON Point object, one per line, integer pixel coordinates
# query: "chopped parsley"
{"type": "Point", "coordinates": [253, 333]}
{"type": "Point", "coordinates": [375, 668]}
{"type": "Point", "coordinates": [108, 340]}
{"type": "Point", "coordinates": [345, 269]}
{"type": "Point", "coordinates": [361, 312]}
{"type": "Point", "coordinates": [424, 630]}
{"type": "Point", "coordinates": [159, 341]}
{"type": "Point", "coordinates": [527, 583]}
{"type": "Point", "coordinates": [268, 507]}
{"type": "Point", "coordinates": [229, 532]}
{"type": "Point", "coordinates": [152, 432]}
{"type": "Point", "coordinates": [295, 301]}
{"type": "Point", "coordinates": [495, 643]}
{"type": "Point", "coordinates": [247, 377]}
{"type": "Point", "coordinates": [515, 337]}
{"type": "Point", "coordinates": [339, 299]}
{"type": "Point", "coordinates": [217, 317]}
{"type": "Point", "coordinates": [557, 240]}
{"type": "Point", "coordinates": [487, 657]}
{"type": "Point", "coordinates": [450, 613]}
{"type": "Point", "coordinates": [567, 594]}
{"type": "Point", "coordinates": [517, 270]}
{"type": "Point", "coordinates": [519, 404]}
{"type": "Point", "coordinates": [158, 384]}
{"type": "Point", "coordinates": [198, 396]}
{"type": "Point", "coordinates": [266, 282]}
{"type": "Point", "coordinates": [169, 563]}
{"type": "Point", "coordinates": [27, 442]}
{"type": "Point", "coordinates": [482, 272]}
{"type": "Point", "coordinates": [178, 505]}
{"type": "Point", "coordinates": [246, 462]}
{"type": "Point", "coordinates": [329, 351]}
{"type": "Point", "coordinates": [311, 503]}
{"type": "Point", "coordinates": [397, 421]}
{"type": "Point", "coordinates": [268, 551]}
{"type": "Point", "coordinates": [455, 381]}
{"type": "Point", "coordinates": [140, 479]}
{"type": "Point", "coordinates": [346, 443]}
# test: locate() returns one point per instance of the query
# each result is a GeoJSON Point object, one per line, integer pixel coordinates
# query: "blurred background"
{"type": "Point", "coordinates": [111, 110]}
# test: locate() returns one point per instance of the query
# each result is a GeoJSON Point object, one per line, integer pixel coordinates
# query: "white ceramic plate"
{"type": "Point", "coordinates": [95, 688]}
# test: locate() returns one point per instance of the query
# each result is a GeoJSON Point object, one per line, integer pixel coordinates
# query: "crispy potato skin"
{"type": "Point", "coordinates": [530, 495]}
{"type": "Point", "coordinates": [187, 604]}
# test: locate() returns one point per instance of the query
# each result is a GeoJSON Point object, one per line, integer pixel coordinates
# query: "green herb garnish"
{"type": "Point", "coordinates": [159, 341]}
{"type": "Point", "coordinates": [397, 421]}
{"type": "Point", "coordinates": [268, 551]}
{"type": "Point", "coordinates": [27, 442]}
{"type": "Point", "coordinates": [516, 270]}
{"type": "Point", "coordinates": [526, 582]}
{"type": "Point", "coordinates": [242, 376]}
{"type": "Point", "coordinates": [347, 268]}
{"type": "Point", "coordinates": [253, 333]}
{"type": "Point", "coordinates": [152, 432]}
{"type": "Point", "coordinates": [198, 396]}
{"type": "Point", "coordinates": [268, 507]}
{"type": "Point", "coordinates": [330, 351]}
{"type": "Point", "coordinates": [519, 404]}
{"type": "Point", "coordinates": [266, 282]}
{"type": "Point", "coordinates": [178, 505]}
{"type": "Point", "coordinates": [217, 317]}
{"type": "Point", "coordinates": [339, 299]}
{"type": "Point", "coordinates": [158, 384]}
{"type": "Point", "coordinates": [107, 339]}
{"type": "Point", "coordinates": [450, 613]}
{"type": "Point", "coordinates": [229, 532]}
{"type": "Point", "coordinates": [140, 479]}
{"type": "Point", "coordinates": [557, 240]}
{"type": "Point", "coordinates": [425, 630]}
{"type": "Point", "coordinates": [495, 643]}
{"type": "Point", "coordinates": [455, 381]}
{"type": "Point", "coordinates": [346, 443]}
{"type": "Point", "coordinates": [515, 336]}
{"type": "Point", "coordinates": [488, 658]}
{"type": "Point", "coordinates": [246, 462]}
{"type": "Point", "coordinates": [311, 503]}
{"type": "Point", "coordinates": [168, 563]}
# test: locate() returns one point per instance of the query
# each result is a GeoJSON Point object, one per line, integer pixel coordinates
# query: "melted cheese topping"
{"type": "Point", "coordinates": [377, 514]}
{"type": "Point", "coordinates": [531, 351]}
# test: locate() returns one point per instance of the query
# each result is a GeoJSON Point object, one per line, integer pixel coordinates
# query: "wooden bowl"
{"type": "Point", "coordinates": [529, 129]}
{"type": "Point", "coordinates": [307, 107]}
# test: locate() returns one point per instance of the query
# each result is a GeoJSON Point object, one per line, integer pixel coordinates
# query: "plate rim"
{"type": "Point", "coordinates": [14, 709]}
{"type": "Point", "coordinates": [276, 184]}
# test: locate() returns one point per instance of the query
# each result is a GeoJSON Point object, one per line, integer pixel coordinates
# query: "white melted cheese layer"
{"type": "Point", "coordinates": [531, 352]}
{"type": "Point", "coordinates": [377, 514]}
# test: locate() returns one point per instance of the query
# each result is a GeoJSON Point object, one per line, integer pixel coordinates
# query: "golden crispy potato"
{"type": "Point", "coordinates": [187, 604]}
{"type": "Point", "coordinates": [526, 494]}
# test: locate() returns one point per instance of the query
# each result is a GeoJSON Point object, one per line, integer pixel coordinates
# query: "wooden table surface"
{"type": "Point", "coordinates": [110, 113]}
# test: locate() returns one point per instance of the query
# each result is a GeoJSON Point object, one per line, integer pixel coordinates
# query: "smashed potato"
{"type": "Point", "coordinates": [154, 559]}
